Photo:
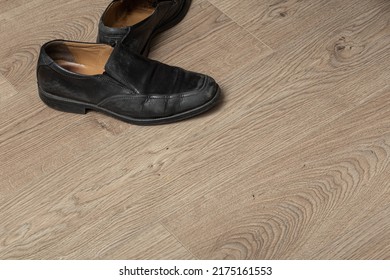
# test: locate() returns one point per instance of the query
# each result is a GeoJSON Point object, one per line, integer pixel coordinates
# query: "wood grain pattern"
{"type": "Point", "coordinates": [211, 44]}
{"type": "Point", "coordinates": [6, 89]}
{"type": "Point", "coordinates": [309, 208]}
{"type": "Point", "coordinates": [294, 163]}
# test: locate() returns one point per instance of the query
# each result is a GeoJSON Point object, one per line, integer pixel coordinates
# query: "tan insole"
{"type": "Point", "coordinates": [132, 17]}
{"type": "Point", "coordinates": [79, 68]}
{"type": "Point", "coordinates": [85, 59]}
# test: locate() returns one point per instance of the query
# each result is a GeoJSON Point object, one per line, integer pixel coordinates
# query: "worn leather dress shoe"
{"type": "Point", "coordinates": [76, 77]}
{"type": "Point", "coordinates": [140, 21]}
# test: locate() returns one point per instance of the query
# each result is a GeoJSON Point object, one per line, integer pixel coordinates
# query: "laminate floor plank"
{"type": "Point", "coordinates": [304, 201]}
{"type": "Point", "coordinates": [279, 23]}
{"type": "Point", "coordinates": [292, 22]}
{"type": "Point", "coordinates": [292, 164]}
{"type": "Point", "coordinates": [151, 242]}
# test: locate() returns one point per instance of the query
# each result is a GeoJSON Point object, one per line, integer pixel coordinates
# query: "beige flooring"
{"type": "Point", "coordinates": [294, 164]}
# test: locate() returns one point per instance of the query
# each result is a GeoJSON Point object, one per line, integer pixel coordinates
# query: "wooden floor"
{"type": "Point", "coordinates": [295, 163]}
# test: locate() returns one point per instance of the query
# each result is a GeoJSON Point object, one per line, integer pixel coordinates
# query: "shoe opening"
{"type": "Point", "coordinates": [125, 13]}
{"type": "Point", "coordinates": [81, 58]}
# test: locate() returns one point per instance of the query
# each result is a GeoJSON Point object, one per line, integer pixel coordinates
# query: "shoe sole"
{"type": "Point", "coordinates": [77, 107]}
{"type": "Point", "coordinates": [175, 20]}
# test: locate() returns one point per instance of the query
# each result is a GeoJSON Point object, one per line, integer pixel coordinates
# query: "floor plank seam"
{"type": "Point", "coordinates": [10, 84]}
{"type": "Point", "coordinates": [246, 30]}
{"type": "Point", "coordinates": [178, 240]}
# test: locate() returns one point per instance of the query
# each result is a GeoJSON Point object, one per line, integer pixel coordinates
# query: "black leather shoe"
{"type": "Point", "coordinates": [76, 77]}
{"type": "Point", "coordinates": [140, 21]}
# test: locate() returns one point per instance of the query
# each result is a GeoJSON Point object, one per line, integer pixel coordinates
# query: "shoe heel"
{"type": "Point", "coordinates": [61, 104]}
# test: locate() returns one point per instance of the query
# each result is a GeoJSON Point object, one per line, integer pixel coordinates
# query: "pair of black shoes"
{"type": "Point", "coordinates": [115, 76]}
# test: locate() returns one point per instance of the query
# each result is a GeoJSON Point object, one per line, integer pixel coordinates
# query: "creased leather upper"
{"type": "Point", "coordinates": [151, 77]}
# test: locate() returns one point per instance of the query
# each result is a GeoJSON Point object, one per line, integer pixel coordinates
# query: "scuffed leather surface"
{"type": "Point", "coordinates": [132, 85]}
{"type": "Point", "coordinates": [149, 76]}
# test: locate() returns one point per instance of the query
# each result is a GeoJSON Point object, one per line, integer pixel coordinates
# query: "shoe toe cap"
{"type": "Point", "coordinates": [201, 96]}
